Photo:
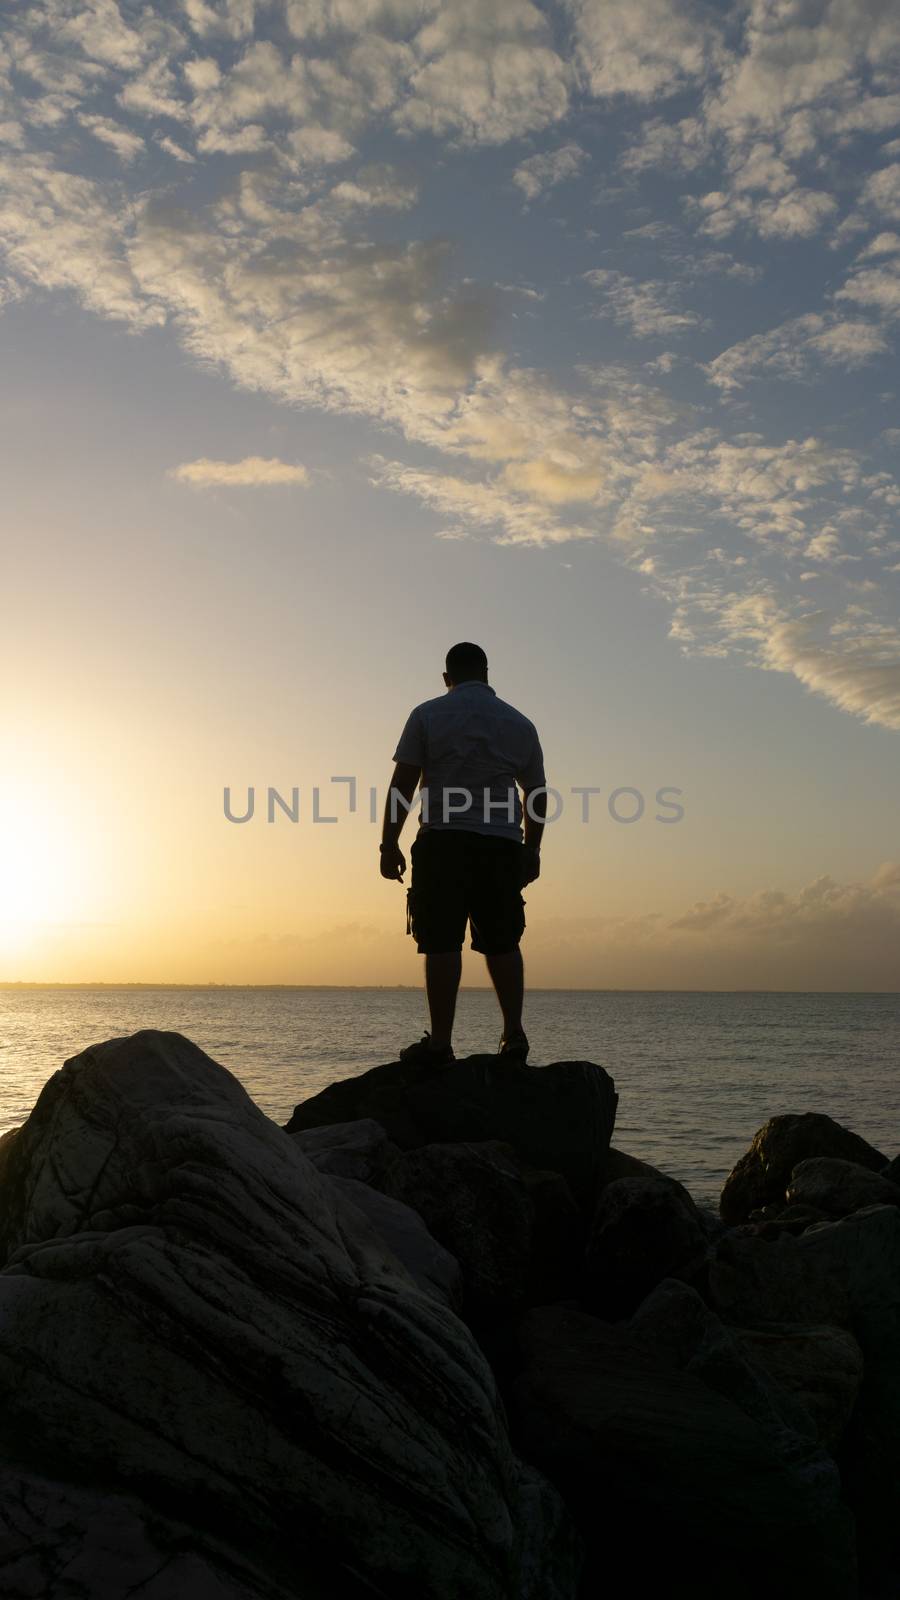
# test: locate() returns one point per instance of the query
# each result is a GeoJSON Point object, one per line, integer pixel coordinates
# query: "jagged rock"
{"type": "Point", "coordinates": [401, 1228]}
{"type": "Point", "coordinates": [644, 1229]}
{"type": "Point", "coordinates": [754, 1281]}
{"type": "Point", "coordinates": [359, 1150]}
{"type": "Point", "coordinates": [862, 1255]}
{"type": "Point", "coordinates": [892, 1171]}
{"type": "Point", "coordinates": [763, 1173]}
{"type": "Point", "coordinates": [516, 1232]}
{"type": "Point", "coordinates": [677, 1488]}
{"type": "Point", "coordinates": [191, 1315]}
{"type": "Point", "coordinates": [621, 1165]}
{"type": "Point", "coordinates": [821, 1366]}
{"type": "Point", "coordinates": [558, 1118]}
{"type": "Point", "coordinates": [676, 1325]}
{"type": "Point", "coordinates": [838, 1188]}
{"type": "Point", "coordinates": [769, 1221]}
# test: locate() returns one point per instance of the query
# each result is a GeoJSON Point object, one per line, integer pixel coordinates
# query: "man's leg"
{"type": "Point", "coordinates": [508, 977]}
{"type": "Point", "coordinates": [442, 975]}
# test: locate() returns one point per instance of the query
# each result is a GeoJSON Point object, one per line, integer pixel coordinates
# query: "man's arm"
{"type": "Point", "coordinates": [405, 781]}
{"type": "Point", "coordinates": [535, 803]}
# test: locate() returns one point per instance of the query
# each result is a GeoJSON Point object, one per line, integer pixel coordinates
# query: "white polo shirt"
{"type": "Point", "coordinates": [469, 740]}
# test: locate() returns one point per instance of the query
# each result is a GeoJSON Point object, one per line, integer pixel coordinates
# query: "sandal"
{"type": "Point", "coordinates": [516, 1047]}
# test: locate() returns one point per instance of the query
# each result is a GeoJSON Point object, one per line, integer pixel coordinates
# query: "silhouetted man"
{"type": "Point", "coordinates": [469, 860]}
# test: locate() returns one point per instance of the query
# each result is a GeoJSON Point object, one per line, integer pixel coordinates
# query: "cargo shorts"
{"type": "Point", "coordinates": [461, 877]}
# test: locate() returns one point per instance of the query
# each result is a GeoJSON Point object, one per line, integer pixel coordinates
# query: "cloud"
{"type": "Point", "coordinates": [882, 192]}
{"type": "Point", "coordinates": [537, 174]}
{"type": "Point", "coordinates": [642, 49]}
{"type": "Point", "coordinates": [485, 74]}
{"type": "Point", "coordinates": [795, 349]}
{"type": "Point", "coordinates": [876, 287]}
{"type": "Point", "coordinates": [822, 910]}
{"type": "Point", "coordinates": [859, 672]}
{"type": "Point", "coordinates": [648, 309]}
{"type": "Point", "coordinates": [797, 214]}
{"type": "Point", "coordinates": [253, 472]}
{"type": "Point", "coordinates": [127, 145]}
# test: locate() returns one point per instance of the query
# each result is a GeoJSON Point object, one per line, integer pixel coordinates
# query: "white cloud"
{"type": "Point", "coordinates": [683, 146]}
{"type": "Point", "coordinates": [877, 287]}
{"type": "Point", "coordinates": [642, 49]}
{"type": "Point", "coordinates": [797, 214]}
{"type": "Point", "coordinates": [486, 74]}
{"type": "Point", "coordinates": [61, 231]}
{"type": "Point", "coordinates": [126, 145]}
{"type": "Point", "coordinates": [795, 349]}
{"type": "Point", "coordinates": [884, 244]}
{"type": "Point", "coordinates": [649, 309]}
{"type": "Point", "coordinates": [536, 174]}
{"type": "Point", "coordinates": [882, 192]}
{"type": "Point", "coordinates": [252, 472]}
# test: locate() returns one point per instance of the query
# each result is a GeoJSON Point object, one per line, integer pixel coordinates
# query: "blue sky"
{"type": "Point", "coordinates": [333, 330]}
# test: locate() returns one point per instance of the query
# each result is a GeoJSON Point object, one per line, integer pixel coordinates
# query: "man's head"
{"type": "Point", "coordinates": [465, 662]}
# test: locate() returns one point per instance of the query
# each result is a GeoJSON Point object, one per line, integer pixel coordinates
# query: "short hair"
{"type": "Point", "coordinates": [466, 661]}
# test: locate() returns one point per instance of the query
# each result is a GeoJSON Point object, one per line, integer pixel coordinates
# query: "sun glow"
{"type": "Point", "coordinates": [42, 866]}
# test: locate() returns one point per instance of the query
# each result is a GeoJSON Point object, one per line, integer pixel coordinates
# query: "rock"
{"type": "Point", "coordinates": [620, 1165]}
{"type": "Point", "coordinates": [838, 1188]}
{"type": "Point", "coordinates": [558, 1118]}
{"type": "Point", "coordinates": [755, 1281]}
{"type": "Point", "coordinates": [516, 1232]}
{"type": "Point", "coordinates": [644, 1229]}
{"type": "Point", "coordinates": [762, 1175]}
{"type": "Point", "coordinates": [192, 1316]}
{"type": "Point", "coordinates": [401, 1228]}
{"type": "Point", "coordinates": [862, 1255]}
{"type": "Point", "coordinates": [677, 1490]}
{"type": "Point", "coordinates": [676, 1326]}
{"type": "Point", "coordinates": [769, 1221]}
{"type": "Point", "coordinates": [821, 1366]}
{"type": "Point", "coordinates": [892, 1171]}
{"type": "Point", "coordinates": [348, 1149]}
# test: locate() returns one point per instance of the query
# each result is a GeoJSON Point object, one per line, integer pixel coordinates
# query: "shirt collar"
{"type": "Point", "coordinates": [474, 683]}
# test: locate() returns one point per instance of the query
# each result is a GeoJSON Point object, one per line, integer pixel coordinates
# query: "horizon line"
{"type": "Point", "coordinates": [27, 983]}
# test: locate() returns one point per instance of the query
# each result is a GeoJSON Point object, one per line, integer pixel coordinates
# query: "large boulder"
{"type": "Point", "coordinates": [558, 1118]}
{"type": "Point", "coordinates": [644, 1229]}
{"type": "Point", "coordinates": [191, 1316]}
{"type": "Point", "coordinates": [680, 1486]}
{"type": "Point", "coordinates": [862, 1255]}
{"type": "Point", "coordinates": [516, 1232]}
{"type": "Point", "coordinates": [754, 1281]}
{"type": "Point", "coordinates": [360, 1150]}
{"type": "Point", "coordinates": [838, 1188]}
{"type": "Point", "coordinates": [821, 1366]}
{"type": "Point", "coordinates": [402, 1229]}
{"type": "Point", "coordinates": [763, 1173]}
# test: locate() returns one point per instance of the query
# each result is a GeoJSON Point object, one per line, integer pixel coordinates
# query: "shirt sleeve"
{"type": "Point", "coordinates": [531, 775]}
{"type": "Point", "coordinates": [411, 745]}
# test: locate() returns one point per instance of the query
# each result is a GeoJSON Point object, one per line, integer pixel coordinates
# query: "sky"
{"type": "Point", "coordinates": [335, 331]}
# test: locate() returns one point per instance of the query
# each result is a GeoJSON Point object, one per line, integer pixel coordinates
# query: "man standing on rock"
{"type": "Point", "coordinates": [469, 860]}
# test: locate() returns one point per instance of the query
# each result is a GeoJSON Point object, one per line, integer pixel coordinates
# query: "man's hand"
{"type": "Point", "coordinates": [531, 864]}
{"type": "Point", "coordinates": [393, 862]}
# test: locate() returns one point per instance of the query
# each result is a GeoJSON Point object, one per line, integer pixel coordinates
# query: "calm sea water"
{"type": "Point", "coordinates": [696, 1073]}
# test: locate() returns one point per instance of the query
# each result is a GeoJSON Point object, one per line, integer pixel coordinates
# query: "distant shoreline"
{"type": "Point", "coordinates": [375, 988]}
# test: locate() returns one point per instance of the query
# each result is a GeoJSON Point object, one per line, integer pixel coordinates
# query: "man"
{"type": "Point", "coordinates": [469, 861]}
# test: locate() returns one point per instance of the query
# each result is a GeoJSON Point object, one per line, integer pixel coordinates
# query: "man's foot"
{"type": "Point", "coordinates": [425, 1050]}
{"type": "Point", "coordinates": [514, 1046]}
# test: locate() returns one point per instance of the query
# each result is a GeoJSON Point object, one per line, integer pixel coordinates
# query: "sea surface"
{"type": "Point", "coordinates": [697, 1074]}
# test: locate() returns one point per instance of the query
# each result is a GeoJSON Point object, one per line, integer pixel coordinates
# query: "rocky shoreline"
{"type": "Point", "coordinates": [436, 1340]}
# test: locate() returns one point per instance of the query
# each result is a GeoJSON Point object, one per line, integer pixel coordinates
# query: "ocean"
{"type": "Point", "coordinates": [697, 1074]}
